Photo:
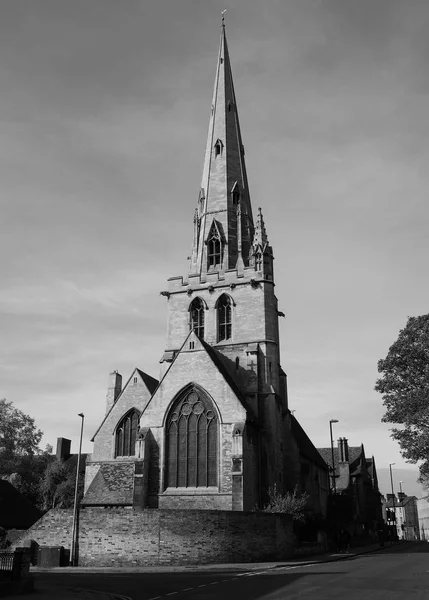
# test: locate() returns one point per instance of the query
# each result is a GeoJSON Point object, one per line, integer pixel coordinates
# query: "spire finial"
{"type": "Point", "coordinates": [223, 17]}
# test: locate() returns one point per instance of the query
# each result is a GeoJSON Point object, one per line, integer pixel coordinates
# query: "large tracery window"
{"type": "Point", "coordinates": [192, 442]}
{"type": "Point", "coordinates": [126, 434]}
{"type": "Point", "coordinates": [224, 318]}
{"type": "Point", "coordinates": [196, 317]}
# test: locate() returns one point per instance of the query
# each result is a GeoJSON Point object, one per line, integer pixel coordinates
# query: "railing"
{"type": "Point", "coordinates": [14, 565]}
{"type": "Point", "coordinates": [7, 563]}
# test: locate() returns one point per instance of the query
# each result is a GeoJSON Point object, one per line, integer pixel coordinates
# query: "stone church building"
{"type": "Point", "coordinates": [215, 431]}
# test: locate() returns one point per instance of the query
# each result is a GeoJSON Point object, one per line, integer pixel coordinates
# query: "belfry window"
{"type": "Point", "coordinates": [224, 318]}
{"type": "Point", "coordinates": [258, 261]}
{"type": "Point", "coordinates": [196, 317]}
{"type": "Point", "coordinates": [192, 442]}
{"type": "Point", "coordinates": [213, 251]}
{"type": "Point", "coordinates": [126, 433]}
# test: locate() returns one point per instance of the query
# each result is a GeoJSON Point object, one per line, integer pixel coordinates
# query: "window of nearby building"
{"type": "Point", "coordinates": [196, 317]}
{"type": "Point", "coordinates": [126, 433]}
{"type": "Point", "coordinates": [192, 442]}
{"type": "Point", "coordinates": [224, 318]}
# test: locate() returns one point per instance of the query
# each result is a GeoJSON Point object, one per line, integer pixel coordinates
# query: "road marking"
{"type": "Point", "coordinates": [214, 582]}
{"type": "Point", "coordinates": [155, 598]}
{"type": "Point", "coordinates": [187, 589]}
{"type": "Point", "coordinates": [171, 593]}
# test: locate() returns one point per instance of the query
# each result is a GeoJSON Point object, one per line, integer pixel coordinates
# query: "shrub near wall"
{"type": "Point", "coordinates": [115, 536]}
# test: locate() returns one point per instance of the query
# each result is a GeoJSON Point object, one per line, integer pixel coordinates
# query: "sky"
{"type": "Point", "coordinates": [103, 121]}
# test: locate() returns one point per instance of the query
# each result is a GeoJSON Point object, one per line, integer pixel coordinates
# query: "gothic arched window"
{"type": "Point", "coordinates": [213, 252]}
{"type": "Point", "coordinates": [126, 434]}
{"type": "Point", "coordinates": [224, 318]}
{"type": "Point", "coordinates": [191, 442]}
{"type": "Point", "coordinates": [196, 317]}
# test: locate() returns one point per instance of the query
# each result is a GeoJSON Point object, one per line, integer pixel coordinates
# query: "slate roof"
{"type": "Point", "coordinates": [306, 447]}
{"type": "Point", "coordinates": [355, 453]}
{"type": "Point", "coordinates": [399, 502]}
{"type": "Point", "coordinates": [112, 485]}
{"type": "Point", "coordinates": [214, 355]}
{"type": "Point", "coordinates": [150, 382]}
{"type": "Point", "coordinates": [16, 512]}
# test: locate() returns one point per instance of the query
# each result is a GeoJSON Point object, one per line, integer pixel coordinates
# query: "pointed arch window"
{"type": "Point", "coordinates": [192, 442]}
{"type": "Point", "coordinates": [214, 250]}
{"type": "Point", "coordinates": [235, 194]}
{"type": "Point", "coordinates": [196, 317]}
{"type": "Point", "coordinates": [258, 261]}
{"type": "Point", "coordinates": [126, 434]}
{"type": "Point", "coordinates": [224, 318]}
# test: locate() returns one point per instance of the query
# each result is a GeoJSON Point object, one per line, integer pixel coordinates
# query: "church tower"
{"type": "Point", "coordinates": [214, 432]}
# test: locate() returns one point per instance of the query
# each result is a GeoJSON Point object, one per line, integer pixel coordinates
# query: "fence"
{"type": "Point", "coordinates": [14, 565]}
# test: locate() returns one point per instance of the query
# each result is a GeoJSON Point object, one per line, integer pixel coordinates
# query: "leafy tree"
{"type": "Point", "coordinates": [291, 503]}
{"type": "Point", "coordinates": [404, 385]}
{"type": "Point", "coordinates": [19, 435]}
{"type": "Point", "coordinates": [58, 485]}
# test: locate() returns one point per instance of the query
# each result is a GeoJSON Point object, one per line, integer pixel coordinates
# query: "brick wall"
{"type": "Point", "coordinates": [167, 537]}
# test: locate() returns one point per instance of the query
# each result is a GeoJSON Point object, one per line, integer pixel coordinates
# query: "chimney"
{"type": "Point", "coordinates": [343, 450]}
{"type": "Point", "coordinates": [402, 495]}
{"type": "Point", "coordinates": [390, 496]}
{"type": "Point", "coordinates": [114, 389]}
{"type": "Point", "coordinates": [63, 448]}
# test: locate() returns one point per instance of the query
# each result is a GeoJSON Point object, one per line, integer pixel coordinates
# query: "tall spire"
{"type": "Point", "coordinates": [220, 240]}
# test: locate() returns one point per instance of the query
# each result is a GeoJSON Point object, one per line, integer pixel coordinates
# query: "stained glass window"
{"type": "Point", "coordinates": [192, 442]}
{"type": "Point", "coordinates": [126, 433]}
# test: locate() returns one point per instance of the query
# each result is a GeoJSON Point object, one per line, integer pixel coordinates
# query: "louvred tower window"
{"type": "Point", "coordinates": [224, 318]}
{"type": "Point", "coordinates": [196, 317]}
{"type": "Point", "coordinates": [192, 442]}
{"type": "Point", "coordinates": [126, 433]}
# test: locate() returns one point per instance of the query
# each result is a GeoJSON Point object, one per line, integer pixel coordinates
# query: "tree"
{"type": "Point", "coordinates": [57, 485]}
{"type": "Point", "coordinates": [290, 503]}
{"type": "Point", "coordinates": [19, 435]}
{"type": "Point", "coordinates": [404, 385]}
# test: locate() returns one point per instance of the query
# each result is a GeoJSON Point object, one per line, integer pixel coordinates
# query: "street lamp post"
{"type": "Point", "coordinates": [393, 497]}
{"type": "Point", "coordinates": [332, 452]}
{"type": "Point", "coordinates": [73, 540]}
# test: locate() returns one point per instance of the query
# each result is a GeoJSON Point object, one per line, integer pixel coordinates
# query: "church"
{"type": "Point", "coordinates": [214, 432]}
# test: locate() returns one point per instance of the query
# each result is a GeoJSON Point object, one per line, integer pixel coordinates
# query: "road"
{"type": "Point", "coordinates": [398, 573]}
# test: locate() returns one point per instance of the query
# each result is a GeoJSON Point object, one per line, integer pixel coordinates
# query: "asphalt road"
{"type": "Point", "coordinates": [398, 573]}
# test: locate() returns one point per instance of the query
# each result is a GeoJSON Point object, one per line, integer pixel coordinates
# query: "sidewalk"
{"type": "Point", "coordinates": [53, 592]}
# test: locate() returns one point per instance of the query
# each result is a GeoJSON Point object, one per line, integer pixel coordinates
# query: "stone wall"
{"type": "Point", "coordinates": [167, 537]}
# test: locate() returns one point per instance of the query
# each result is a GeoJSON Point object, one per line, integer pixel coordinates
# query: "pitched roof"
{"type": "Point", "coordinates": [399, 502]}
{"type": "Point", "coordinates": [355, 453]}
{"type": "Point", "coordinates": [217, 359]}
{"type": "Point", "coordinates": [112, 485]}
{"type": "Point", "coordinates": [305, 445]}
{"type": "Point", "coordinates": [151, 384]}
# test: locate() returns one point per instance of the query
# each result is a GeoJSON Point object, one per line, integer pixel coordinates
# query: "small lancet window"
{"type": "Point", "coordinates": [218, 147]}
{"type": "Point", "coordinates": [224, 318]}
{"type": "Point", "coordinates": [258, 261]}
{"type": "Point", "coordinates": [214, 250]}
{"type": "Point", "coordinates": [196, 317]}
{"type": "Point", "coordinates": [235, 194]}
